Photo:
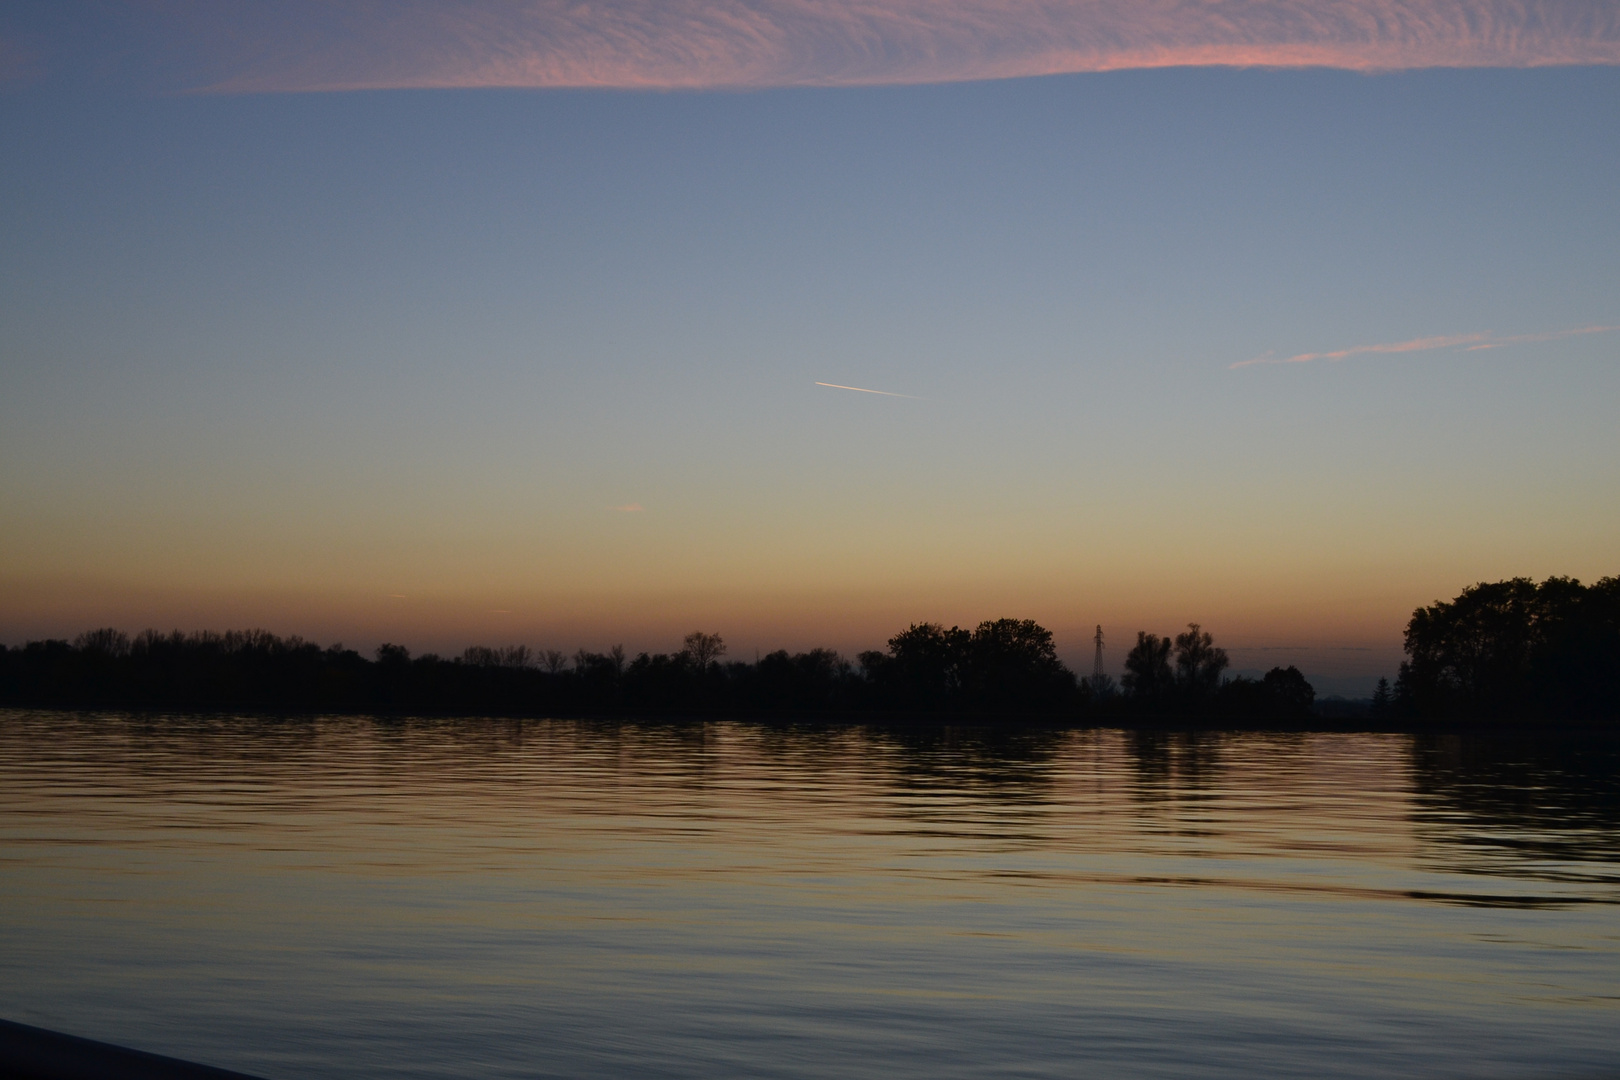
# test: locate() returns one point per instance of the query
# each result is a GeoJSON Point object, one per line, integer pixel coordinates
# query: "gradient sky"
{"type": "Point", "coordinates": [511, 348]}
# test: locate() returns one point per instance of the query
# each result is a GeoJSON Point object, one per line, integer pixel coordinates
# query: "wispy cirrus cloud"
{"type": "Point", "coordinates": [1551, 335]}
{"type": "Point", "coordinates": [308, 45]}
{"type": "Point", "coordinates": [1464, 342]}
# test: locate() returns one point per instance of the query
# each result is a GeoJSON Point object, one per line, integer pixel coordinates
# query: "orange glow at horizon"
{"type": "Point", "coordinates": [1340, 620]}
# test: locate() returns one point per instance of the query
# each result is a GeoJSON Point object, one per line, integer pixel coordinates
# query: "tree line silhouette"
{"type": "Point", "coordinates": [1001, 667]}
{"type": "Point", "coordinates": [1512, 649]}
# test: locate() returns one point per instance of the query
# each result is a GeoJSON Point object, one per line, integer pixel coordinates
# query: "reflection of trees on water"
{"type": "Point", "coordinates": [1168, 762]}
{"type": "Point", "coordinates": [1173, 777]}
{"type": "Point", "coordinates": [990, 763]}
{"type": "Point", "coordinates": [1542, 806]}
{"type": "Point", "coordinates": [1545, 805]}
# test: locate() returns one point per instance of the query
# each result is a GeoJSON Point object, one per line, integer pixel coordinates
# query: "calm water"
{"type": "Point", "coordinates": [354, 898]}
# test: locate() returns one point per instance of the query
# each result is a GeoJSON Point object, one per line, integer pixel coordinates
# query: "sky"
{"type": "Point", "coordinates": [465, 322]}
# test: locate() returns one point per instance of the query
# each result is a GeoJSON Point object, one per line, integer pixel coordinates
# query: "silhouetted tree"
{"type": "Point", "coordinates": [818, 680]}
{"type": "Point", "coordinates": [662, 682]}
{"type": "Point", "coordinates": [1575, 664]}
{"type": "Point", "coordinates": [1383, 701]}
{"type": "Point", "coordinates": [1147, 667]}
{"type": "Point", "coordinates": [1290, 694]}
{"type": "Point", "coordinates": [1013, 664]}
{"type": "Point", "coordinates": [1515, 649]}
{"type": "Point", "coordinates": [1282, 694]}
{"type": "Point", "coordinates": [481, 656]}
{"type": "Point", "coordinates": [104, 642]}
{"type": "Point", "coordinates": [1199, 663]}
{"type": "Point", "coordinates": [1003, 665]}
{"type": "Point", "coordinates": [923, 668]}
{"type": "Point", "coordinates": [703, 649]}
{"type": "Point", "coordinates": [393, 655]}
{"type": "Point", "coordinates": [1473, 653]}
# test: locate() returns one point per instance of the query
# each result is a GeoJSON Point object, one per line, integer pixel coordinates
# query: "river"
{"type": "Point", "coordinates": [365, 898]}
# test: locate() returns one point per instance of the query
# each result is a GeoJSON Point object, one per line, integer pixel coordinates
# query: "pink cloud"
{"type": "Point", "coordinates": [308, 45]}
{"type": "Point", "coordinates": [1551, 335]}
{"type": "Point", "coordinates": [1466, 342]}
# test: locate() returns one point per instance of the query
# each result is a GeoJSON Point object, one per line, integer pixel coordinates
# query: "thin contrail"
{"type": "Point", "coordinates": [864, 390]}
{"type": "Point", "coordinates": [1465, 342]}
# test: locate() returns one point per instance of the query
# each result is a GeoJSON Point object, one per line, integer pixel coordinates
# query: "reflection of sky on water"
{"type": "Point", "coordinates": [491, 898]}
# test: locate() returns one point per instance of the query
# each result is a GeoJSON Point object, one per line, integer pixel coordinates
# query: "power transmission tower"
{"type": "Point", "coordinates": [1096, 667]}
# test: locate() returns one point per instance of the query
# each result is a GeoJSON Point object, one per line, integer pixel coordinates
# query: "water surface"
{"type": "Point", "coordinates": [474, 898]}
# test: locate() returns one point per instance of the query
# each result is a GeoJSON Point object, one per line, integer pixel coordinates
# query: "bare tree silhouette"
{"type": "Point", "coordinates": [703, 649]}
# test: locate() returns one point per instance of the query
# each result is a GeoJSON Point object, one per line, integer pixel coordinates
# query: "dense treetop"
{"type": "Point", "coordinates": [1515, 649]}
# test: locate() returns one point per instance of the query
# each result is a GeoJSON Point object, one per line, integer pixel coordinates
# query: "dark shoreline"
{"type": "Point", "coordinates": [982, 722]}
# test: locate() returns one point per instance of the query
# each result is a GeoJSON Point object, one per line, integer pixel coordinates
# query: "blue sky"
{"type": "Point", "coordinates": [447, 365]}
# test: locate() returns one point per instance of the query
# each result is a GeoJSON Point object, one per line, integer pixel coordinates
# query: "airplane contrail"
{"type": "Point", "coordinates": [864, 390]}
